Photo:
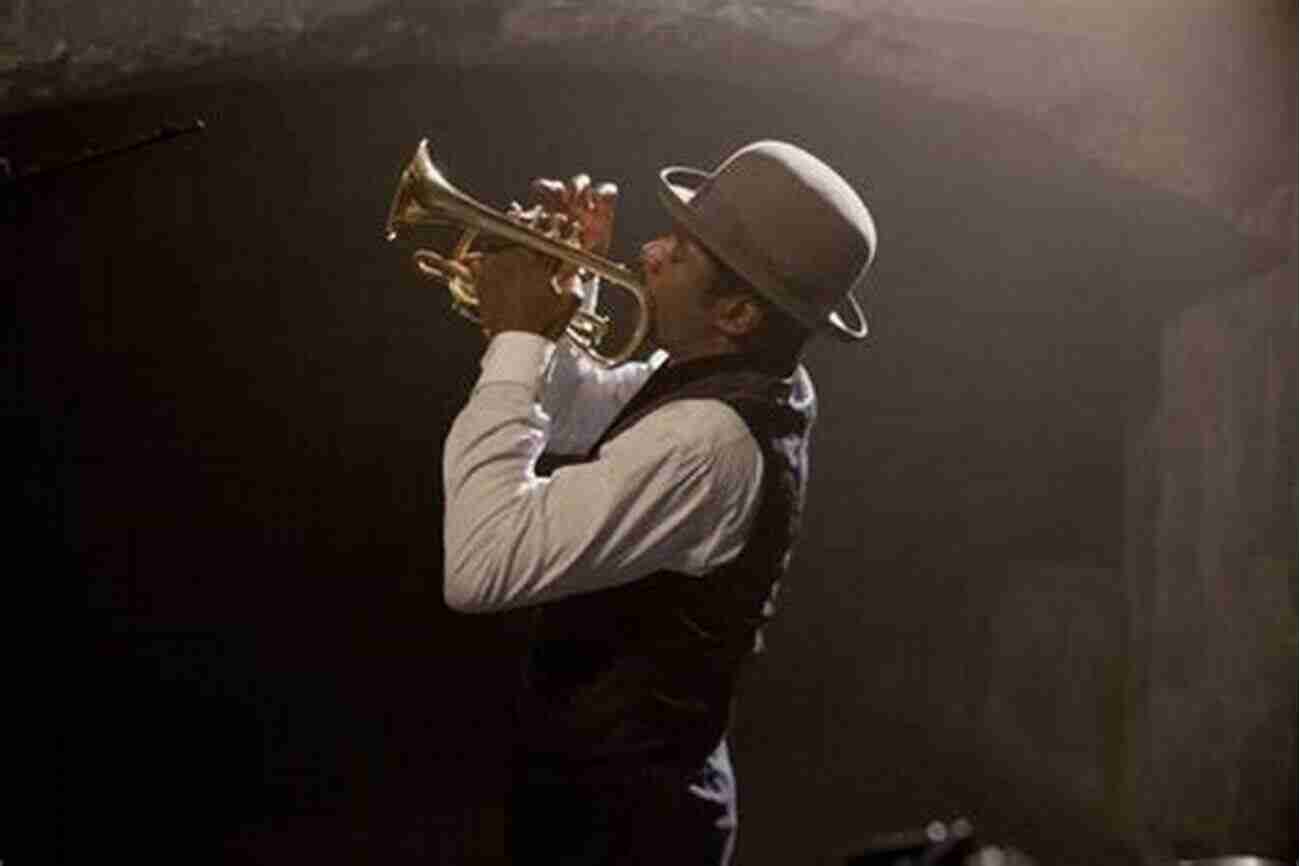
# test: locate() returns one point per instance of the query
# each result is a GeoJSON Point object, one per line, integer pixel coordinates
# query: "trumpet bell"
{"type": "Point", "coordinates": [425, 198]}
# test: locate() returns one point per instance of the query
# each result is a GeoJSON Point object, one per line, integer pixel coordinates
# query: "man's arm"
{"type": "Point", "coordinates": [678, 491]}
{"type": "Point", "coordinates": [581, 398]}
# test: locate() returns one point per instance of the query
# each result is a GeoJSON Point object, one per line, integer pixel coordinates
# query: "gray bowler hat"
{"type": "Point", "coordinates": [787, 223]}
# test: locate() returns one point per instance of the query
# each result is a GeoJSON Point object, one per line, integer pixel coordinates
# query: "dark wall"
{"type": "Point", "coordinates": [233, 394]}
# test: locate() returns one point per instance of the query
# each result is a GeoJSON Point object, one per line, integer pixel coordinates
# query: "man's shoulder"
{"type": "Point", "coordinates": [709, 420]}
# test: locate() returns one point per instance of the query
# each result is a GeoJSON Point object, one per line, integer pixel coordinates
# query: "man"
{"type": "Point", "coordinates": [650, 560]}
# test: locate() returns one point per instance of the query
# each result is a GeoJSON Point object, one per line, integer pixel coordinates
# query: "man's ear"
{"type": "Point", "coordinates": [739, 315]}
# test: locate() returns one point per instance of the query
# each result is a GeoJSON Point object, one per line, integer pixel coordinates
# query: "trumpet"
{"type": "Point", "coordinates": [425, 197]}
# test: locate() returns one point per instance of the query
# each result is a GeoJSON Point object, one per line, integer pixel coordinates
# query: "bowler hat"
{"type": "Point", "coordinates": [787, 223]}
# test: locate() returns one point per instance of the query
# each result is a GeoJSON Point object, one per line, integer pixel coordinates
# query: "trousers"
{"type": "Point", "coordinates": [622, 815]}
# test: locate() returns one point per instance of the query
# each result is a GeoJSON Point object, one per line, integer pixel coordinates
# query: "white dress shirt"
{"type": "Point", "coordinates": [677, 490]}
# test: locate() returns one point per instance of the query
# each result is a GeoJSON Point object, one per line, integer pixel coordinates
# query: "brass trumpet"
{"type": "Point", "coordinates": [425, 197]}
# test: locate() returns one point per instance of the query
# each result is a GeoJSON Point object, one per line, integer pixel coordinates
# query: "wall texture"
{"type": "Point", "coordinates": [1197, 97]}
{"type": "Point", "coordinates": [1210, 541]}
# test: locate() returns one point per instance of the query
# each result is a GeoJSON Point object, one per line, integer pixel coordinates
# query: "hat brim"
{"type": "Point", "coordinates": [678, 186]}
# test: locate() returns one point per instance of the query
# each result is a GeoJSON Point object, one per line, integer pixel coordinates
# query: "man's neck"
{"type": "Point", "coordinates": [712, 348]}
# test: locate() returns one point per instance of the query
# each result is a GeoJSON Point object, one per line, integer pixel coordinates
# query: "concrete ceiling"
{"type": "Point", "coordinates": [1193, 96]}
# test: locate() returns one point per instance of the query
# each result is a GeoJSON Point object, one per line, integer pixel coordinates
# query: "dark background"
{"type": "Point", "coordinates": [230, 396]}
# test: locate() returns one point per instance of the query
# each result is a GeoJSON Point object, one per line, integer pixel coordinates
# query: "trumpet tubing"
{"type": "Point", "coordinates": [425, 197]}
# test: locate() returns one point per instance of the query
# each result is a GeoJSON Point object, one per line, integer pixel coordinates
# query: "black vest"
{"type": "Point", "coordinates": [646, 671]}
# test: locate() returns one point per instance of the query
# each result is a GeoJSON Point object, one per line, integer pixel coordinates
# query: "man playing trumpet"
{"type": "Point", "coordinates": [652, 557]}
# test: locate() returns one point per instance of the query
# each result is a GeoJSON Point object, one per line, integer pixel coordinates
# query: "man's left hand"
{"type": "Point", "coordinates": [515, 293]}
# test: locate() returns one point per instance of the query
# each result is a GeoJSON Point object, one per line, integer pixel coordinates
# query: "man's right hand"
{"type": "Point", "coordinates": [590, 207]}
{"type": "Point", "coordinates": [515, 286]}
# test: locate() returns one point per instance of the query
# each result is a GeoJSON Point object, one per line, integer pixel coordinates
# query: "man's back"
{"type": "Point", "coordinates": [629, 689]}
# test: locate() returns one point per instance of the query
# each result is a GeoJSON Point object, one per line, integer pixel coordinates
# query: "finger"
{"type": "Point", "coordinates": [557, 224]}
{"type": "Point", "coordinates": [571, 302]}
{"type": "Point", "coordinates": [573, 234]}
{"type": "Point", "coordinates": [605, 198]}
{"type": "Point", "coordinates": [606, 192]}
{"type": "Point", "coordinates": [552, 192]}
{"type": "Point", "coordinates": [580, 187]}
{"type": "Point", "coordinates": [567, 305]}
{"type": "Point", "coordinates": [564, 314]}
{"type": "Point", "coordinates": [527, 217]}
{"type": "Point", "coordinates": [565, 281]}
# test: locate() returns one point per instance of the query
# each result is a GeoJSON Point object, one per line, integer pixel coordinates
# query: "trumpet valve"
{"type": "Point", "coordinates": [588, 329]}
{"type": "Point", "coordinates": [556, 226]}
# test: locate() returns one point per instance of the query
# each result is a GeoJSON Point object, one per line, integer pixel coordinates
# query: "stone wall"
{"type": "Point", "coordinates": [1193, 97]}
{"type": "Point", "coordinates": [1131, 676]}
{"type": "Point", "coordinates": [1212, 573]}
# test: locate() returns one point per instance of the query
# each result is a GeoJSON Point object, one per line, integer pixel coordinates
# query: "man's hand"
{"type": "Point", "coordinates": [591, 208]}
{"type": "Point", "coordinates": [516, 286]}
{"type": "Point", "coordinates": [516, 293]}
{"type": "Point", "coordinates": [588, 211]}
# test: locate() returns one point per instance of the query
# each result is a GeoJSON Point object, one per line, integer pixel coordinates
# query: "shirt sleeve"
{"type": "Point", "coordinates": [678, 490]}
{"type": "Point", "coordinates": [582, 398]}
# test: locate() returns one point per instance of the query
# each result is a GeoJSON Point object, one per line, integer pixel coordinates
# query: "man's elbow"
{"type": "Point", "coordinates": [467, 588]}
{"type": "Point", "coordinates": [460, 597]}
{"type": "Point", "coordinates": [465, 604]}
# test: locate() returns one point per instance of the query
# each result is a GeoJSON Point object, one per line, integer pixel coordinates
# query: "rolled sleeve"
{"type": "Point", "coordinates": [516, 357]}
